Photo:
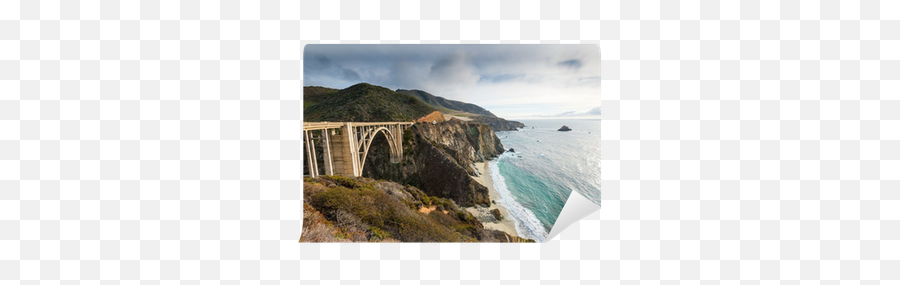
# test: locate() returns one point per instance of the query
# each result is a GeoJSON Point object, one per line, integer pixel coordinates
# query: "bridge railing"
{"type": "Point", "coordinates": [335, 125]}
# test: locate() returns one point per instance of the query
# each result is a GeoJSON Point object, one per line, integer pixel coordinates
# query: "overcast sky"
{"type": "Point", "coordinates": [512, 81]}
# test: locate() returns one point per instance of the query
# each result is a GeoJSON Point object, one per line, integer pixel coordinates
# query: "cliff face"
{"type": "Point", "coordinates": [466, 142]}
{"type": "Point", "coordinates": [437, 158]}
{"type": "Point", "coordinates": [499, 124]}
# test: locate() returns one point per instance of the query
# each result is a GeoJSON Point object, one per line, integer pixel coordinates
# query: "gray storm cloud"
{"type": "Point", "coordinates": [322, 66]}
{"type": "Point", "coordinates": [572, 64]}
{"type": "Point", "coordinates": [514, 80]}
{"type": "Point", "coordinates": [453, 70]}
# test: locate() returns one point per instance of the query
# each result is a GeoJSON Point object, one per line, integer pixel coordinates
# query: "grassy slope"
{"type": "Point", "coordinates": [448, 106]}
{"type": "Point", "coordinates": [363, 103]}
{"type": "Point", "coordinates": [341, 209]}
{"type": "Point", "coordinates": [313, 95]}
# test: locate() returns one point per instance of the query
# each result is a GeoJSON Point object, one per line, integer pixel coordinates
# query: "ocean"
{"type": "Point", "coordinates": [535, 181]}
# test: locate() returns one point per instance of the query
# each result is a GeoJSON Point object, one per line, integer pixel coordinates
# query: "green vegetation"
{"type": "Point", "coordinates": [408, 136]}
{"type": "Point", "coordinates": [342, 209]}
{"type": "Point", "coordinates": [347, 182]}
{"type": "Point", "coordinates": [361, 103]}
{"type": "Point", "coordinates": [339, 208]}
{"type": "Point", "coordinates": [447, 106]}
{"type": "Point", "coordinates": [313, 95]}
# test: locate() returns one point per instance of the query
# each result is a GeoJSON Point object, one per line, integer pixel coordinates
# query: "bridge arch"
{"type": "Point", "coordinates": [369, 137]}
{"type": "Point", "coordinates": [345, 145]}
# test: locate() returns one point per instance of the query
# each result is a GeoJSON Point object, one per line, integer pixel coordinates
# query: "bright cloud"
{"type": "Point", "coordinates": [512, 81]}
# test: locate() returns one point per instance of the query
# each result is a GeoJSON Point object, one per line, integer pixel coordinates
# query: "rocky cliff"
{"type": "Point", "coordinates": [438, 158]}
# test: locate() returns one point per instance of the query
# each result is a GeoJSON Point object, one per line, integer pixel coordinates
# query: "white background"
{"type": "Point", "coordinates": [744, 142]}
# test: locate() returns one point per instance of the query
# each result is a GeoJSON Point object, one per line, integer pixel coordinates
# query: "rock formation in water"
{"type": "Point", "coordinates": [496, 214]}
{"type": "Point", "coordinates": [564, 129]}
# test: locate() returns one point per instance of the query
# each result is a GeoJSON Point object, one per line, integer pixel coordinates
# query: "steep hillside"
{"type": "Point", "coordinates": [341, 209]}
{"type": "Point", "coordinates": [313, 95]}
{"type": "Point", "coordinates": [441, 102]}
{"type": "Point", "coordinates": [479, 114]}
{"type": "Point", "coordinates": [363, 103]}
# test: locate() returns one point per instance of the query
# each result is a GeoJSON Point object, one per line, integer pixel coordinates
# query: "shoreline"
{"type": "Point", "coordinates": [483, 214]}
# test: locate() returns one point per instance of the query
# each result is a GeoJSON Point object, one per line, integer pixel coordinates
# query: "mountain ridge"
{"type": "Point", "coordinates": [438, 101]}
{"type": "Point", "coordinates": [480, 114]}
{"type": "Point", "coordinates": [361, 102]}
{"type": "Point", "coordinates": [364, 102]}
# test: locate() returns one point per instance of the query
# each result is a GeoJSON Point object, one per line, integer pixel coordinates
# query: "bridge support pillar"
{"type": "Point", "coordinates": [345, 161]}
{"type": "Point", "coordinates": [328, 158]}
{"type": "Point", "coordinates": [312, 165]}
{"type": "Point", "coordinates": [397, 137]}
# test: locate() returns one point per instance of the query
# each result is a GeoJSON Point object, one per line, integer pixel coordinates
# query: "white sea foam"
{"type": "Point", "coordinates": [527, 224]}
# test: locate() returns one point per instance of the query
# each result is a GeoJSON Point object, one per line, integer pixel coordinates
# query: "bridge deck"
{"type": "Point", "coordinates": [307, 126]}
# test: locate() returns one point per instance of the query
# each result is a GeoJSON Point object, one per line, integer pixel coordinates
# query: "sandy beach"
{"type": "Point", "coordinates": [484, 213]}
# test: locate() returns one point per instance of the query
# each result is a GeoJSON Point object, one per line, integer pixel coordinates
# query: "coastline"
{"type": "Point", "coordinates": [483, 214]}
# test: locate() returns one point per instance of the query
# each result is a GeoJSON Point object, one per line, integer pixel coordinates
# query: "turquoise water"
{"type": "Point", "coordinates": [546, 167]}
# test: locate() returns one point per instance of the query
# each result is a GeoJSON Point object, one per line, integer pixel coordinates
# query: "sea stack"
{"type": "Point", "coordinates": [564, 129]}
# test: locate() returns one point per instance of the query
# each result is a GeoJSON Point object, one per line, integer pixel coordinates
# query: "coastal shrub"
{"type": "Point", "coordinates": [315, 227]}
{"type": "Point", "coordinates": [344, 181]}
{"type": "Point", "coordinates": [350, 235]}
{"type": "Point", "coordinates": [376, 234]}
{"type": "Point", "coordinates": [349, 221]}
{"type": "Point", "coordinates": [357, 214]}
{"type": "Point", "coordinates": [377, 209]}
{"type": "Point", "coordinates": [317, 233]}
{"type": "Point", "coordinates": [310, 189]}
{"type": "Point", "coordinates": [408, 136]}
{"type": "Point", "coordinates": [461, 226]}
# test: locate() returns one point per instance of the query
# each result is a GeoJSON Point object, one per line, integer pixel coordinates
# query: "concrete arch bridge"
{"type": "Point", "coordinates": [346, 144]}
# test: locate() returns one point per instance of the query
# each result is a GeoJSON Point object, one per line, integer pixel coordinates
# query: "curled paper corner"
{"type": "Point", "coordinates": [576, 208]}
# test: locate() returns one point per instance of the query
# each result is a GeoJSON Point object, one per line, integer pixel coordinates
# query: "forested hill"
{"type": "Point", "coordinates": [361, 103]}
{"type": "Point", "coordinates": [441, 102]}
